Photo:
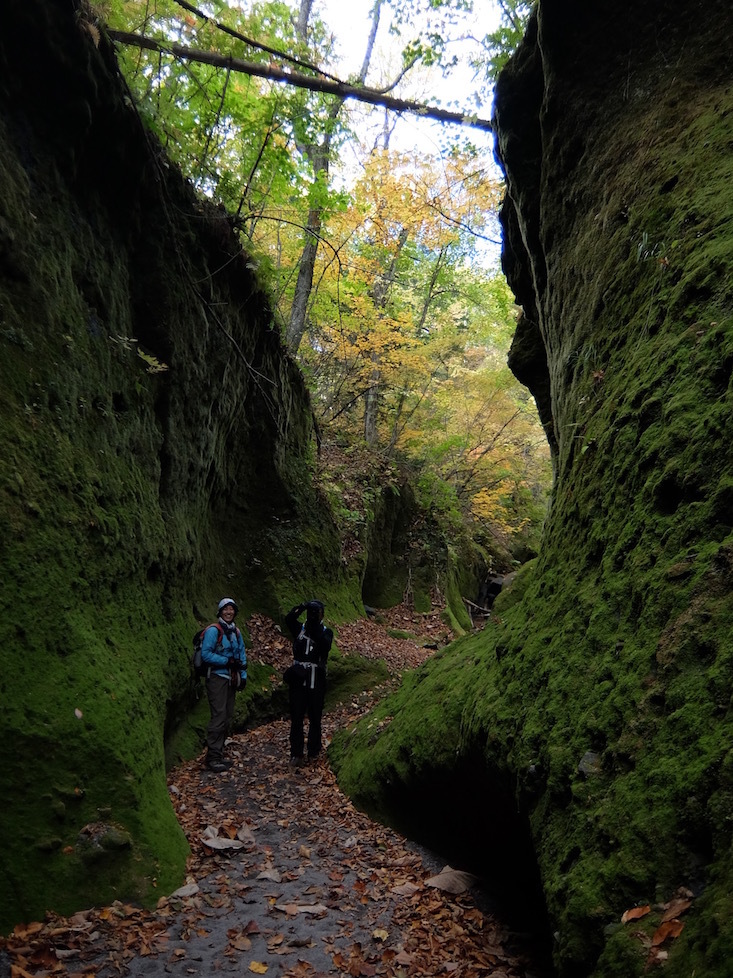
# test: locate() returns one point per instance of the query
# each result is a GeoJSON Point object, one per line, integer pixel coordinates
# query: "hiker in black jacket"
{"type": "Point", "coordinates": [307, 677]}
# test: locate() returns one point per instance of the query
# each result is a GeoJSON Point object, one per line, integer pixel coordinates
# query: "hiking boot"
{"type": "Point", "coordinates": [217, 766]}
{"type": "Point", "coordinates": [296, 762]}
{"type": "Point", "coordinates": [227, 764]}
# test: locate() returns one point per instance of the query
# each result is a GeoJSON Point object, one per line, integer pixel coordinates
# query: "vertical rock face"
{"type": "Point", "coordinates": [614, 128]}
{"type": "Point", "coordinates": [153, 436]}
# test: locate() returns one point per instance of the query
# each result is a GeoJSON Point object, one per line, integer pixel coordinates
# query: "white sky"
{"type": "Point", "coordinates": [349, 21]}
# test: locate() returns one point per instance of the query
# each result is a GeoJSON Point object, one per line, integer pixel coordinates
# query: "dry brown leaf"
{"type": "Point", "coordinates": [17, 972]}
{"type": "Point", "coordinates": [291, 909]}
{"type": "Point", "coordinates": [245, 834]}
{"type": "Point", "coordinates": [294, 908]}
{"type": "Point", "coordinates": [214, 842]}
{"type": "Point", "coordinates": [405, 889]}
{"type": "Point", "coordinates": [452, 881]}
{"type": "Point", "coordinates": [634, 914]}
{"type": "Point", "coordinates": [271, 874]}
{"type": "Point", "coordinates": [667, 930]}
{"type": "Point", "coordinates": [24, 931]}
{"type": "Point", "coordinates": [674, 908]}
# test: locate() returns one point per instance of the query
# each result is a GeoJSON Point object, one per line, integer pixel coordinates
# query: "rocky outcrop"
{"type": "Point", "coordinates": [603, 695]}
{"type": "Point", "coordinates": [155, 439]}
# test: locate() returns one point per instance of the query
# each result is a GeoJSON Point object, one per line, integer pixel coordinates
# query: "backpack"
{"type": "Point", "coordinates": [200, 668]}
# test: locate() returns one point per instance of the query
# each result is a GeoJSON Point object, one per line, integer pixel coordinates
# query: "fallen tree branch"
{"type": "Point", "coordinates": [278, 74]}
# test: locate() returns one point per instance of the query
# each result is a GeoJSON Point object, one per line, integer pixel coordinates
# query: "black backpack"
{"type": "Point", "coordinates": [199, 668]}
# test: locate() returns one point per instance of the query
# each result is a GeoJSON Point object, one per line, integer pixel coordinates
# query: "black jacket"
{"type": "Point", "coordinates": [311, 642]}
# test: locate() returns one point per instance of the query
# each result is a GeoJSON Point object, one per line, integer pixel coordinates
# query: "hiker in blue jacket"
{"type": "Point", "coordinates": [222, 649]}
{"type": "Point", "coordinates": [307, 677]}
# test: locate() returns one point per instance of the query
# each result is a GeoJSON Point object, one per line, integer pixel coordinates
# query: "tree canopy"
{"type": "Point", "coordinates": [380, 253]}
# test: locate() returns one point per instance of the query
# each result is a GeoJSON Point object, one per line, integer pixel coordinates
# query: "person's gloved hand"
{"type": "Point", "coordinates": [234, 664]}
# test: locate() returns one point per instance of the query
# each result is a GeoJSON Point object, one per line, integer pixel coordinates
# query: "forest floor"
{"type": "Point", "coordinates": [286, 877]}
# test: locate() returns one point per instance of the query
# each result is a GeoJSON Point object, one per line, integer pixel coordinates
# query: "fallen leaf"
{"type": "Point", "coordinates": [290, 909]}
{"type": "Point", "coordinates": [294, 908]}
{"type": "Point", "coordinates": [27, 930]}
{"type": "Point", "coordinates": [452, 880]}
{"type": "Point", "coordinates": [78, 714]}
{"type": "Point", "coordinates": [380, 934]}
{"type": "Point", "coordinates": [186, 891]}
{"type": "Point", "coordinates": [674, 908]}
{"type": "Point", "coordinates": [634, 914]}
{"type": "Point", "coordinates": [17, 972]}
{"type": "Point", "coordinates": [258, 967]}
{"type": "Point", "coordinates": [212, 840]}
{"type": "Point", "coordinates": [670, 929]}
{"type": "Point", "coordinates": [245, 834]}
{"type": "Point", "coordinates": [405, 889]}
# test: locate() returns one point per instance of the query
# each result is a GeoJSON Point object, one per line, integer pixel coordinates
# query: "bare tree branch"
{"type": "Point", "coordinates": [257, 45]}
{"type": "Point", "coordinates": [340, 89]}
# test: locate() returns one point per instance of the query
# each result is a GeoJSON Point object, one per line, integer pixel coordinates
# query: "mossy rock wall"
{"type": "Point", "coordinates": [410, 557]}
{"type": "Point", "coordinates": [603, 695]}
{"type": "Point", "coordinates": [130, 500]}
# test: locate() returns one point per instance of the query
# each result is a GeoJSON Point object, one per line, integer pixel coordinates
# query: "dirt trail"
{"type": "Point", "coordinates": [286, 878]}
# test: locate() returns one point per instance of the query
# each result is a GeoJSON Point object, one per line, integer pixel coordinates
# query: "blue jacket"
{"type": "Point", "coordinates": [217, 654]}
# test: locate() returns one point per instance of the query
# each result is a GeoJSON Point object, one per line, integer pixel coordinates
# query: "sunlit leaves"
{"type": "Point", "coordinates": [403, 333]}
{"type": "Point", "coordinates": [499, 45]}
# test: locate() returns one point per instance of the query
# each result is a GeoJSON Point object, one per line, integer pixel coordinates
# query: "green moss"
{"type": "Point", "coordinates": [349, 675]}
{"type": "Point", "coordinates": [615, 643]}
{"type": "Point", "coordinates": [132, 500]}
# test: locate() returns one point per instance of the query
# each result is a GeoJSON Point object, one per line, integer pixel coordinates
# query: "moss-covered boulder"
{"type": "Point", "coordinates": [602, 695]}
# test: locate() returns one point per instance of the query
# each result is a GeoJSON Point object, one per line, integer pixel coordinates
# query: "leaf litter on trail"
{"type": "Point", "coordinates": [359, 893]}
{"type": "Point", "coordinates": [452, 880]}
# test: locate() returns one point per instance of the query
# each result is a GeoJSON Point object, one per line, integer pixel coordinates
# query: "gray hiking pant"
{"type": "Point", "coordinates": [221, 695]}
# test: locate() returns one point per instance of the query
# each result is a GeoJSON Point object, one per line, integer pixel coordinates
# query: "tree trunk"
{"type": "Point", "coordinates": [371, 404]}
{"type": "Point", "coordinates": [319, 157]}
{"type": "Point", "coordinates": [380, 293]}
{"type": "Point", "coordinates": [304, 282]}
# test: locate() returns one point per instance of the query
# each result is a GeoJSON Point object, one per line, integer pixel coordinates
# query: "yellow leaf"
{"type": "Point", "coordinates": [257, 967]}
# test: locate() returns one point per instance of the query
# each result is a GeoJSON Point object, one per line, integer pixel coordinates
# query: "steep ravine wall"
{"type": "Point", "coordinates": [130, 500]}
{"type": "Point", "coordinates": [602, 692]}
